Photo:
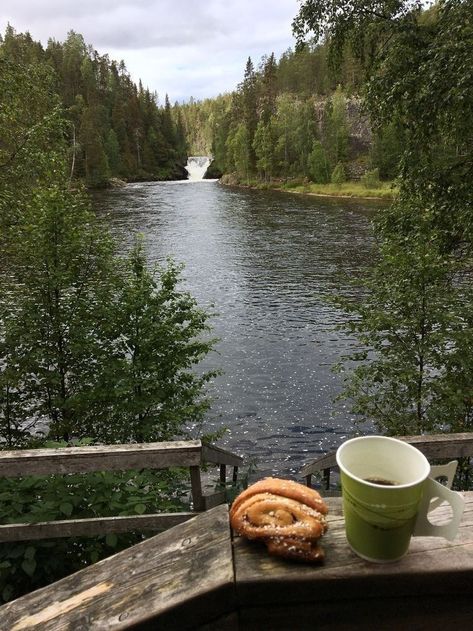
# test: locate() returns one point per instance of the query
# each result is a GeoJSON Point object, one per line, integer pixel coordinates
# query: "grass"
{"type": "Point", "coordinates": [347, 189]}
{"type": "Point", "coordinates": [354, 189]}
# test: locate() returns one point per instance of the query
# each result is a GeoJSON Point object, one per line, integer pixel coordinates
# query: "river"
{"type": "Point", "coordinates": [263, 262]}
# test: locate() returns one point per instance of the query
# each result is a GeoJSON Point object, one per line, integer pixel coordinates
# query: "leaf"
{"type": "Point", "coordinates": [7, 593]}
{"type": "Point", "coordinates": [139, 508]}
{"type": "Point", "coordinates": [111, 540]}
{"type": "Point", "coordinates": [29, 566]}
{"type": "Point", "coordinates": [30, 552]}
{"type": "Point", "coordinates": [66, 508]}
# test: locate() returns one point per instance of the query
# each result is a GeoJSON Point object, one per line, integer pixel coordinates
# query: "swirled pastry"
{"type": "Point", "coordinates": [287, 516]}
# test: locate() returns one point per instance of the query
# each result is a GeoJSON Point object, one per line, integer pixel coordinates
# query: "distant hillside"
{"type": "Point", "coordinates": [292, 118]}
{"type": "Point", "coordinates": [117, 129]}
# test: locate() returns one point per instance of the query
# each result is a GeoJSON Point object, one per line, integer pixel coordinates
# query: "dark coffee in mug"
{"type": "Point", "coordinates": [381, 481]}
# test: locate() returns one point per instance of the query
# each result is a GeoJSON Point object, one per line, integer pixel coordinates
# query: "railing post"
{"type": "Point", "coordinates": [235, 475]}
{"type": "Point", "coordinates": [196, 485]}
{"type": "Point", "coordinates": [223, 474]}
{"type": "Point", "coordinates": [327, 478]}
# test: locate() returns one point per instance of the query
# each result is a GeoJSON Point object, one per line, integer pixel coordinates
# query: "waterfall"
{"type": "Point", "coordinates": [197, 166]}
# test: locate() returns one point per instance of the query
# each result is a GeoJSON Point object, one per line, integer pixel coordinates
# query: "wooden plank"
{"type": "Point", "coordinates": [179, 579]}
{"type": "Point", "coordinates": [91, 526]}
{"type": "Point", "coordinates": [443, 445]}
{"type": "Point", "coordinates": [324, 462]}
{"type": "Point", "coordinates": [100, 458]}
{"type": "Point", "coordinates": [432, 566]}
{"type": "Point", "coordinates": [196, 486]}
{"type": "Point", "coordinates": [217, 455]}
{"type": "Point", "coordinates": [435, 446]}
{"type": "Point", "coordinates": [214, 500]}
{"type": "Point", "coordinates": [223, 474]}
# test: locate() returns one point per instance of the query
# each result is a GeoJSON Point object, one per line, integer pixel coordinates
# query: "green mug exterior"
{"type": "Point", "coordinates": [379, 524]}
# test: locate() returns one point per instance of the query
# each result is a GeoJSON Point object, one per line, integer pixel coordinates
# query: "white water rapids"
{"type": "Point", "coordinates": [197, 166]}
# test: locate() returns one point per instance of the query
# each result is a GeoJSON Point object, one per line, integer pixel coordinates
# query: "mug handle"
{"type": "Point", "coordinates": [442, 471]}
{"type": "Point", "coordinates": [423, 527]}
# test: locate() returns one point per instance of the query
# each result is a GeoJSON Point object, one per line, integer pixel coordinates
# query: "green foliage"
{"type": "Point", "coordinates": [371, 179]}
{"type": "Point", "coordinates": [29, 565]}
{"type": "Point", "coordinates": [318, 164]}
{"type": "Point", "coordinates": [113, 126]}
{"type": "Point", "coordinates": [31, 132]}
{"type": "Point", "coordinates": [263, 146]}
{"type": "Point", "coordinates": [294, 100]}
{"type": "Point", "coordinates": [415, 323]}
{"type": "Point", "coordinates": [336, 127]}
{"type": "Point", "coordinates": [338, 174]}
{"type": "Point", "coordinates": [294, 129]}
{"type": "Point", "coordinates": [147, 389]}
{"type": "Point", "coordinates": [90, 344]}
{"type": "Point", "coordinates": [238, 147]}
{"type": "Point", "coordinates": [386, 150]}
{"type": "Point", "coordinates": [60, 283]}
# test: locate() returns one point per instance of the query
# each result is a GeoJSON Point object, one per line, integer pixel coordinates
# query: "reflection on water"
{"type": "Point", "coordinates": [265, 261]}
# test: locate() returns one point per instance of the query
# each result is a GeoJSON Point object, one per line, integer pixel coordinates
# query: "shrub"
{"type": "Point", "coordinates": [27, 565]}
{"type": "Point", "coordinates": [371, 179]}
{"type": "Point", "coordinates": [338, 174]}
{"type": "Point", "coordinates": [318, 165]}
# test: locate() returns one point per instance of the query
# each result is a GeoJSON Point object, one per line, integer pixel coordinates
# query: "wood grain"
{"type": "Point", "coordinates": [90, 527]}
{"type": "Point", "coordinates": [183, 577]}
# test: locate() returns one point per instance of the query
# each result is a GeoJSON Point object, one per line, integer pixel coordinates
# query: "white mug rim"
{"type": "Point", "coordinates": [383, 486]}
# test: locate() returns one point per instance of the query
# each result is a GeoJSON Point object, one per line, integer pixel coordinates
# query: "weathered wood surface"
{"type": "Point", "coordinates": [435, 446]}
{"type": "Point", "coordinates": [217, 455]}
{"type": "Point", "coordinates": [89, 527]}
{"type": "Point", "coordinates": [112, 458]}
{"type": "Point", "coordinates": [184, 579]}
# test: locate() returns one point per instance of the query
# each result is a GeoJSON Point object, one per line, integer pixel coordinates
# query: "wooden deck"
{"type": "Point", "coordinates": [195, 576]}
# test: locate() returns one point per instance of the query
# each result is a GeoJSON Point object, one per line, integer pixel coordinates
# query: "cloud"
{"type": "Point", "coordinates": [182, 47]}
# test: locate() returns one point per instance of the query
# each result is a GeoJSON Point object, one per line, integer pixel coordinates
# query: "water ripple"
{"type": "Point", "coordinates": [266, 262]}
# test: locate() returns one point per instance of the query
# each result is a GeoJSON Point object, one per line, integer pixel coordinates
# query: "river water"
{"type": "Point", "coordinates": [266, 261]}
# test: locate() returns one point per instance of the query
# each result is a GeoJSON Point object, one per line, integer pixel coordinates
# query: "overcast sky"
{"type": "Point", "coordinates": [184, 48]}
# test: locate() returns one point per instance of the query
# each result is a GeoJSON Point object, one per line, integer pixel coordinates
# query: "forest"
{"type": "Point", "coordinates": [115, 129]}
{"type": "Point", "coordinates": [294, 119]}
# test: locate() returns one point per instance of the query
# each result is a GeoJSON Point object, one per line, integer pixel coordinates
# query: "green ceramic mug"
{"type": "Point", "coordinates": [387, 494]}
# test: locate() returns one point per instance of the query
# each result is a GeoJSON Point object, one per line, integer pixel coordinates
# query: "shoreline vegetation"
{"type": "Point", "coordinates": [345, 190]}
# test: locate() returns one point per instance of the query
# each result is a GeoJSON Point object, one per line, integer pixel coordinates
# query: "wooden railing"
{"type": "Point", "coordinates": [189, 454]}
{"type": "Point", "coordinates": [435, 446]}
{"type": "Point", "coordinates": [197, 577]}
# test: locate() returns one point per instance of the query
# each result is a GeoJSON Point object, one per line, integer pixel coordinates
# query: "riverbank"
{"type": "Point", "coordinates": [386, 190]}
